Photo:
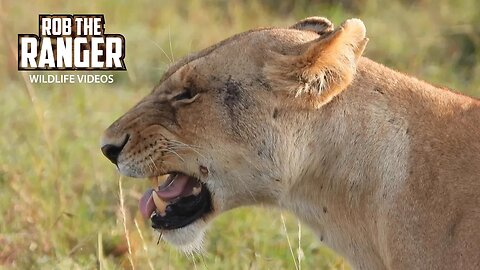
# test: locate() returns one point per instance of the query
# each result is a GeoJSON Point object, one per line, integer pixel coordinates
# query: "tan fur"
{"type": "Point", "coordinates": [325, 68]}
{"type": "Point", "coordinates": [383, 167]}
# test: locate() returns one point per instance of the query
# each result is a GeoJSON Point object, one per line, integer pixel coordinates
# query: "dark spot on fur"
{"type": "Point", "coordinates": [379, 90]}
{"type": "Point", "coordinates": [278, 180]}
{"type": "Point", "coordinates": [324, 210]}
{"type": "Point", "coordinates": [275, 113]}
{"type": "Point", "coordinates": [321, 238]}
{"type": "Point", "coordinates": [454, 224]}
{"type": "Point", "coordinates": [232, 93]}
{"type": "Point", "coordinates": [264, 84]}
{"type": "Point", "coordinates": [235, 102]}
{"type": "Point", "coordinates": [203, 170]}
{"type": "Point", "coordinates": [264, 151]}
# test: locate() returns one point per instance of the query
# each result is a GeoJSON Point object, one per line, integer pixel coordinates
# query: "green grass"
{"type": "Point", "coordinates": [59, 202]}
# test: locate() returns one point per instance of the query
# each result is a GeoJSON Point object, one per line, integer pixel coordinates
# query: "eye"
{"type": "Point", "coordinates": [185, 97]}
{"type": "Point", "coordinates": [185, 94]}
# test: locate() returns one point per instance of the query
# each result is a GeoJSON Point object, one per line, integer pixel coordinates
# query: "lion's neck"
{"type": "Point", "coordinates": [354, 167]}
{"type": "Point", "coordinates": [356, 162]}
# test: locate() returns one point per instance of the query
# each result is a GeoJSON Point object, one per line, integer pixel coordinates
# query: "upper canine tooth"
{"type": "Point", "coordinates": [154, 181]}
{"type": "Point", "coordinates": [159, 203]}
{"type": "Point", "coordinates": [162, 179]}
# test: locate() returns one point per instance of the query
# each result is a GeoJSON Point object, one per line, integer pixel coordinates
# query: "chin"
{"type": "Point", "coordinates": [188, 239]}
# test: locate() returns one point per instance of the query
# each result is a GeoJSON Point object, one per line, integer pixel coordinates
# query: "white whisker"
{"type": "Point", "coordinates": [153, 162]}
{"type": "Point", "coordinates": [170, 42]}
{"type": "Point", "coordinates": [182, 143]}
{"type": "Point", "coordinates": [173, 152]}
{"type": "Point", "coordinates": [168, 57]}
{"type": "Point", "coordinates": [181, 147]}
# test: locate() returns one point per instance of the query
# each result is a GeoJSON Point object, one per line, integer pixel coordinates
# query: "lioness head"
{"type": "Point", "coordinates": [225, 124]}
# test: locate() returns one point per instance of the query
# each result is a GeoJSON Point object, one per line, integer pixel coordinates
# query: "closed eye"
{"type": "Point", "coordinates": [187, 96]}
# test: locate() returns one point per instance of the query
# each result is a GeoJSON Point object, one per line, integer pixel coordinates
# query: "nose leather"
{"type": "Point", "coordinates": [112, 151]}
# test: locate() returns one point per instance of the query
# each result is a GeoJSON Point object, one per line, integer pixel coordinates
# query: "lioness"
{"type": "Point", "coordinates": [383, 167]}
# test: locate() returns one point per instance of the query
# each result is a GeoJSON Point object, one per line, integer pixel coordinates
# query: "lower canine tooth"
{"type": "Point", "coordinates": [159, 203]}
{"type": "Point", "coordinates": [196, 190]}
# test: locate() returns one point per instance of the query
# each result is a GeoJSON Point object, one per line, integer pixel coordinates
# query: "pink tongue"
{"type": "Point", "coordinates": [146, 204]}
{"type": "Point", "coordinates": [174, 189]}
{"type": "Point", "coordinates": [171, 191]}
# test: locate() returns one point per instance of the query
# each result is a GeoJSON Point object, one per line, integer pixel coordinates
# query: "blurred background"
{"type": "Point", "coordinates": [59, 197]}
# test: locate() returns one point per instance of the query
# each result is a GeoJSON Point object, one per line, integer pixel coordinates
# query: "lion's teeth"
{"type": "Point", "coordinates": [154, 181]}
{"type": "Point", "coordinates": [162, 179]}
{"type": "Point", "coordinates": [159, 203]}
{"type": "Point", "coordinates": [196, 190]}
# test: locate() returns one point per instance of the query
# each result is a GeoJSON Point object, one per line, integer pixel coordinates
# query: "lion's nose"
{"type": "Point", "coordinates": [112, 150]}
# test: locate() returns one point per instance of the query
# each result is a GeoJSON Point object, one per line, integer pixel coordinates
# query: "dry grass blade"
{"type": "Point", "coordinates": [170, 43]}
{"type": "Point", "coordinates": [100, 255]}
{"type": "Point", "coordinates": [288, 240]}
{"type": "Point", "coordinates": [124, 217]}
{"type": "Point", "coordinates": [145, 248]}
{"type": "Point", "coordinates": [300, 253]}
{"type": "Point", "coordinates": [163, 51]}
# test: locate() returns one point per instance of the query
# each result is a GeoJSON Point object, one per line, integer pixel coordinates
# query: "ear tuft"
{"type": "Point", "coordinates": [319, 25]}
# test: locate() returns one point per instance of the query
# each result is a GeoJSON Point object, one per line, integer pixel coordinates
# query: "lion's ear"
{"type": "Point", "coordinates": [319, 25]}
{"type": "Point", "coordinates": [323, 68]}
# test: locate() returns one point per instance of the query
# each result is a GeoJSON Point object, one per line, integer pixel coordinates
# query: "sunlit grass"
{"type": "Point", "coordinates": [59, 198]}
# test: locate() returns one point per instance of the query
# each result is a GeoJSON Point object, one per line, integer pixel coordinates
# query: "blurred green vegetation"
{"type": "Point", "coordinates": [59, 202]}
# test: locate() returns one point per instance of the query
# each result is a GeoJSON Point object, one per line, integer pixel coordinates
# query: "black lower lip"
{"type": "Point", "coordinates": [184, 211]}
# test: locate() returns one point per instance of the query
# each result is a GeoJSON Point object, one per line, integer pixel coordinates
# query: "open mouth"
{"type": "Point", "coordinates": [176, 203]}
